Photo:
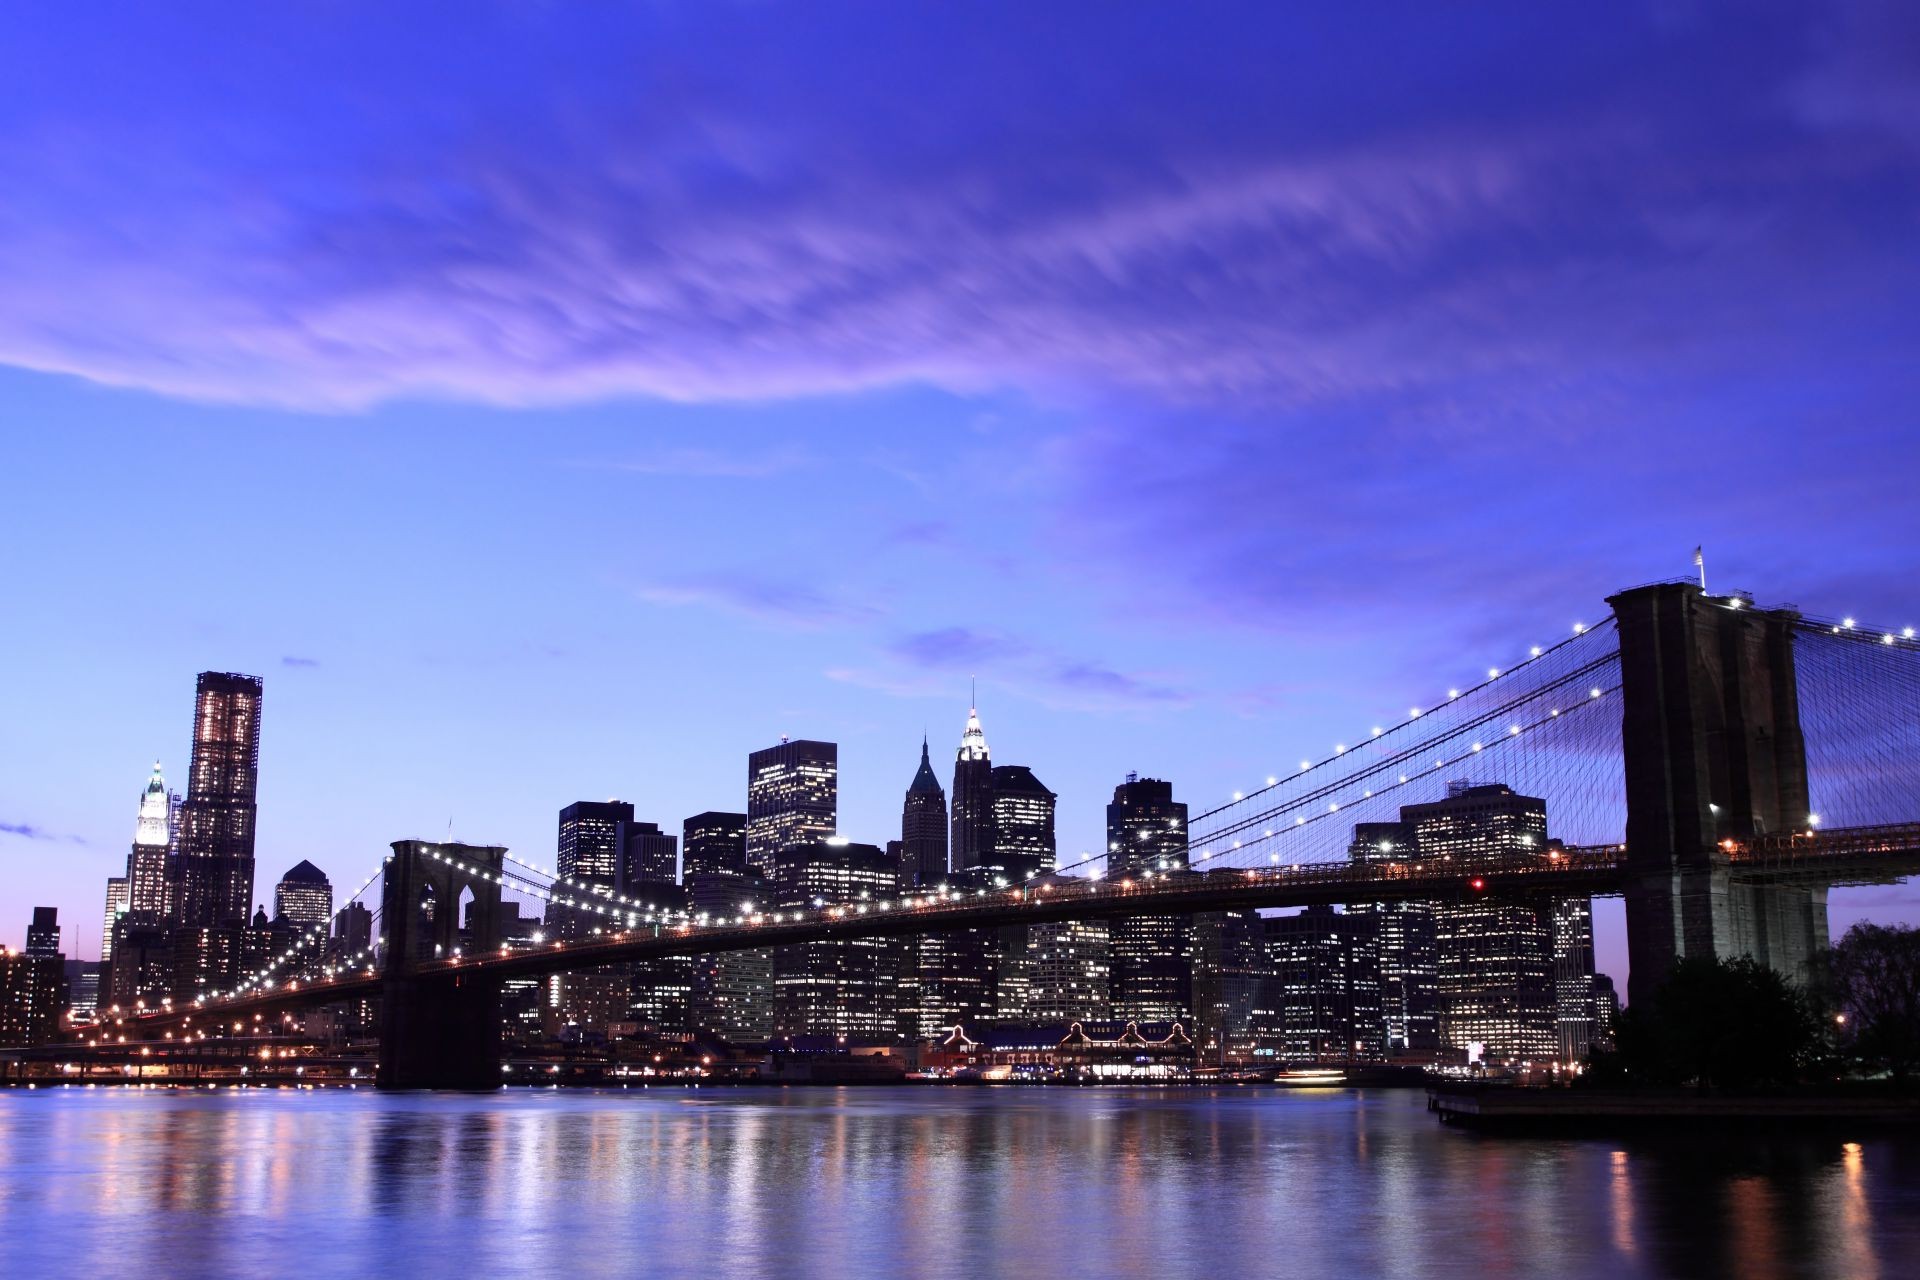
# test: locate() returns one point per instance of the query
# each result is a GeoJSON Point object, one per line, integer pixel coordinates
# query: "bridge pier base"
{"type": "Point", "coordinates": [440, 1034]}
{"type": "Point", "coordinates": [439, 1027]}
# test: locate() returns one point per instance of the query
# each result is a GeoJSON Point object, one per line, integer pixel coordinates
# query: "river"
{"type": "Point", "coordinates": [907, 1182]}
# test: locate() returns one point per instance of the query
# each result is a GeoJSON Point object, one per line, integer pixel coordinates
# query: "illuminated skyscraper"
{"type": "Point", "coordinates": [1494, 960]}
{"type": "Point", "coordinates": [713, 841]}
{"type": "Point", "coordinates": [793, 797]}
{"type": "Point", "coordinates": [304, 897]}
{"type": "Point", "coordinates": [648, 855]}
{"type": "Point", "coordinates": [1067, 969]}
{"type": "Point", "coordinates": [116, 907]}
{"type": "Point", "coordinates": [1022, 822]}
{"type": "Point", "coordinates": [589, 842]}
{"type": "Point", "coordinates": [148, 881]}
{"type": "Point", "coordinates": [1406, 942]}
{"type": "Point", "coordinates": [214, 887]}
{"type": "Point", "coordinates": [848, 988]}
{"type": "Point", "coordinates": [923, 827]}
{"type": "Point", "coordinates": [972, 842]}
{"type": "Point", "coordinates": [1327, 975]}
{"type": "Point", "coordinates": [1152, 973]}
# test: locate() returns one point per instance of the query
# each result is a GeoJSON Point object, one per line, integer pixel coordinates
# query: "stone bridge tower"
{"type": "Point", "coordinates": [1713, 751]}
{"type": "Point", "coordinates": [439, 1031]}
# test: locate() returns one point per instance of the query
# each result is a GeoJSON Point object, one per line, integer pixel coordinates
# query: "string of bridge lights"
{"type": "Point", "coordinates": [316, 932]}
{"type": "Point", "coordinates": [1454, 694]}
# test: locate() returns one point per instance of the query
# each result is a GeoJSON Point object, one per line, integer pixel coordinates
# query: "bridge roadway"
{"type": "Point", "coordinates": [1857, 856]}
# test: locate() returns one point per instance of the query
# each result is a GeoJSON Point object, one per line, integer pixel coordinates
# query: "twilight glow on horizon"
{"type": "Point", "coordinates": [557, 402]}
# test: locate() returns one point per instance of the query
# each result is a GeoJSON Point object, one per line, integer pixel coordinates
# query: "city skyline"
{"type": "Point", "coordinates": [1261, 377]}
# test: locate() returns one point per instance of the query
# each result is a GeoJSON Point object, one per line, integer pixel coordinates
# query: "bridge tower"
{"type": "Point", "coordinates": [440, 1031]}
{"type": "Point", "coordinates": [1714, 751]}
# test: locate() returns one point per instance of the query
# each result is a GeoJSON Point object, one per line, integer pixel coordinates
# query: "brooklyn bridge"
{"type": "Point", "coordinates": [1718, 765]}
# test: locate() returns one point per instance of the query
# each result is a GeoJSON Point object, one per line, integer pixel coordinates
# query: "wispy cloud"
{"type": "Point", "coordinates": [27, 831]}
{"type": "Point", "coordinates": [779, 604]}
{"type": "Point", "coordinates": [292, 661]}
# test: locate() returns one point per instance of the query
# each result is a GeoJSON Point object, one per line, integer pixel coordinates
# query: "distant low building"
{"type": "Point", "coordinates": [1089, 1051]}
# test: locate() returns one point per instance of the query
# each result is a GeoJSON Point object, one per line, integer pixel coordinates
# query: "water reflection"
{"type": "Point", "coordinates": [909, 1182]}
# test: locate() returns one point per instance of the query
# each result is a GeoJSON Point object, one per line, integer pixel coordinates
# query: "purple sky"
{"type": "Point", "coordinates": [555, 402]}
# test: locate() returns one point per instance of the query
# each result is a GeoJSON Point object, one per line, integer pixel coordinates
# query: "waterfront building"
{"type": "Point", "coordinates": [33, 985]}
{"type": "Point", "coordinates": [1494, 960]}
{"type": "Point", "coordinates": [793, 797]}
{"type": "Point", "coordinates": [1231, 985]}
{"type": "Point", "coordinates": [1407, 941]}
{"type": "Point", "coordinates": [1151, 979]}
{"type": "Point", "coordinates": [923, 828]}
{"type": "Point", "coordinates": [1327, 986]}
{"type": "Point", "coordinates": [1573, 978]}
{"type": "Point", "coordinates": [713, 841]}
{"type": "Point", "coordinates": [647, 856]}
{"type": "Point", "coordinates": [1083, 1050]}
{"type": "Point", "coordinates": [304, 898]}
{"type": "Point", "coordinates": [972, 799]}
{"type": "Point", "coordinates": [841, 988]}
{"type": "Point", "coordinates": [946, 980]}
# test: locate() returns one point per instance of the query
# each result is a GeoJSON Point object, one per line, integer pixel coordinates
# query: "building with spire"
{"type": "Point", "coordinates": [148, 888]}
{"type": "Point", "coordinates": [923, 827]}
{"type": "Point", "coordinates": [972, 826]}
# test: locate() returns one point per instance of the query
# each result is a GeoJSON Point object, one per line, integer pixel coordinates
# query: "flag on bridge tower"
{"type": "Point", "coordinates": [1700, 563]}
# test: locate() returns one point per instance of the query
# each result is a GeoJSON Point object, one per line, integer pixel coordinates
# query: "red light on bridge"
{"type": "Point", "coordinates": [1477, 884]}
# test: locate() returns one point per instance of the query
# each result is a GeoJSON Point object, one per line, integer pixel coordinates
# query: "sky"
{"type": "Point", "coordinates": [556, 402]}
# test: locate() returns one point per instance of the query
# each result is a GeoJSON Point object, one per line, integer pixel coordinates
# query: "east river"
{"type": "Point", "coordinates": [1006, 1182]}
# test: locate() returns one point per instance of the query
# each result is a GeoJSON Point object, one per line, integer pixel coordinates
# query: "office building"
{"type": "Point", "coordinates": [1021, 809]}
{"type": "Point", "coordinates": [1151, 979]}
{"type": "Point", "coordinates": [149, 870]}
{"type": "Point", "coordinates": [971, 842]}
{"type": "Point", "coordinates": [33, 986]}
{"type": "Point", "coordinates": [214, 885]}
{"type": "Point", "coordinates": [730, 994]}
{"type": "Point", "coordinates": [304, 898]}
{"type": "Point", "coordinates": [647, 856]}
{"type": "Point", "coordinates": [923, 827]}
{"type": "Point", "coordinates": [840, 988]}
{"type": "Point", "coordinates": [793, 797]}
{"type": "Point", "coordinates": [1494, 960]}
{"type": "Point", "coordinates": [1068, 966]}
{"type": "Point", "coordinates": [1326, 973]}
{"type": "Point", "coordinates": [713, 841]}
{"type": "Point", "coordinates": [1231, 985]}
{"type": "Point", "coordinates": [1574, 992]}
{"type": "Point", "coordinates": [588, 850]}
{"type": "Point", "coordinates": [116, 907]}
{"type": "Point", "coordinates": [1407, 946]}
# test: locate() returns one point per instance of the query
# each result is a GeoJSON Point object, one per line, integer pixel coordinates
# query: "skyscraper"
{"type": "Point", "coordinates": [214, 887]}
{"type": "Point", "coordinates": [972, 842]}
{"type": "Point", "coordinates": [1494, 960]}
{"type": "Point", "coordinates": [846, 988]}
{"type": "Point", "coordinates": [148, 880]}
{"type": "Point", "coordinates": [304, 898]}
{"type": "Point", "coordinates": [1067, 969]}
{"type": "Point", "coordinates": [588, 850]}
{"type": "Point", "coordinates": [1022, 823]}
{"type": "Point", "coordinates": [793, 797]}
{"type": "Point", "coordinates": [1232, 981]}
{"type": "Point", "coordinates": [1152, 973]}
{"type": "Point", "coordinates": [923, 827]}
{"type": "Point", "coordinates": [1406, 943]}
{"type": "Point", "coordinates": [1575, 994]}
{"type": "Point", "coordinates": [648, 855]}
{"type": "Point", "coordinates": [1328, 977]}
{"type": "Point", "coordinates": [33, 984]}
{"type": "Point", "coordinates": [713, 841]}
{"type": "Point", "coordinates": [43, 934]}
{"type": "Point", "coordinates": [116, 907]}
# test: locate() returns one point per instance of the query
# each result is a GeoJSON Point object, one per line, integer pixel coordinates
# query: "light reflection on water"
{"type": "Point", "coordinates": [910, 1182]}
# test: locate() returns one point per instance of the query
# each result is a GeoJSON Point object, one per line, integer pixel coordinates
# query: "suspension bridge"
{"type": "Point", "coordinates": [1718, 765]}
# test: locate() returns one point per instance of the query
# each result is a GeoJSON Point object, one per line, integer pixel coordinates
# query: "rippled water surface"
{"type": "Point", "coordinates": [909, 1182]}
